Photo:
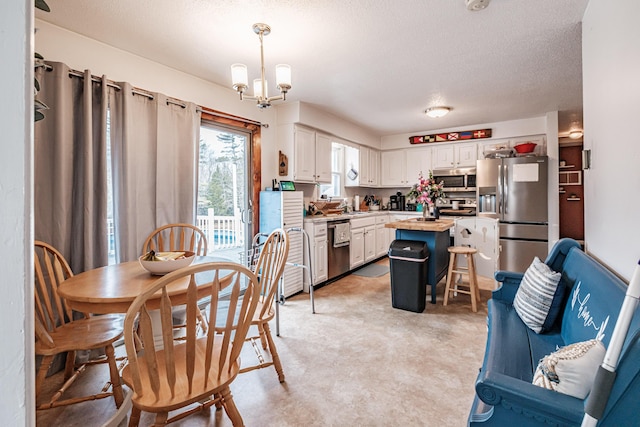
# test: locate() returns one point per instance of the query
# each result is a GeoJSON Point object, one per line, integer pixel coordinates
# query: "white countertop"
{"type": "Point", "coordinates": [358, 214]}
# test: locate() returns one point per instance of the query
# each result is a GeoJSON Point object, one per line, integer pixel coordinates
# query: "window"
{"type": "Point", "coordinates": [335, 188]}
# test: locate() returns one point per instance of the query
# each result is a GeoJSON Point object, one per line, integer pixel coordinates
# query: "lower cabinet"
{"type": "Point", "coordinates": [370, 250]}
{"type": "Point", "coordinates": [318, 252]}
{"type": "Point", "coordinates": [356, 249]}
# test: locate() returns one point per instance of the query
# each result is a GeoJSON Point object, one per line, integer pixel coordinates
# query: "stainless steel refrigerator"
{"type": "Point", "coordinates": [514, 190]}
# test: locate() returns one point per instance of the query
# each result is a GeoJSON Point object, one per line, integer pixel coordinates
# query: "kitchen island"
{"type": "Point", "coordinates": [436, 235]}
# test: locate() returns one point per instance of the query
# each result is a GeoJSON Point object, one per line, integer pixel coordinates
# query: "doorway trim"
{"type": "Point", "coordinates": [255, 151]}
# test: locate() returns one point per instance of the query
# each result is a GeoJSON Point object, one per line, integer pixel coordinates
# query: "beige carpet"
{"type": "Point", "coordinates": [356, 362]}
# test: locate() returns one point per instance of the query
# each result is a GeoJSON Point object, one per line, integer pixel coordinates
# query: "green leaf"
{"type": "Point", "coordinates": [37, 116]}
{"type": "Point", "coordinates": [36, 83]}
{"type": "Point", "coordinates": [38, 56]}
{"type": "Point", "coordinates": [42, 5]}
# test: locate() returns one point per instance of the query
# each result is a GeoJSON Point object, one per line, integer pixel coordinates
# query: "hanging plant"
{"type": "Point", "coordinates": [38, 106]}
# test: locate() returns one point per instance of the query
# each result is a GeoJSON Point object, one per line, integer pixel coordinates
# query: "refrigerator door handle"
{"type": "Point", "coordinates": [499, 190]}
{"type": "Point", "coordinates": [505, 188]}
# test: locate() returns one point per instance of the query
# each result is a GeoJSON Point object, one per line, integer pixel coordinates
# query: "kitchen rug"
{"type": "Point", "coordinates": [372, 270]}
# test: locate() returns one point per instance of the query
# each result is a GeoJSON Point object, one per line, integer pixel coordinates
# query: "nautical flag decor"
{"type": "Point", "coordinates": [451, 136]}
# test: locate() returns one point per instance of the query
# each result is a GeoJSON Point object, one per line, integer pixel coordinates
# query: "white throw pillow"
{"type": "Point", "coordinates": [539, 297]}
{"type": "Point", "coordinates": [571, 369]}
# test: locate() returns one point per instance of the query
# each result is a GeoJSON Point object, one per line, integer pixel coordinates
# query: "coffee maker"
{"type": "Point", "coordinates": [397, 202]}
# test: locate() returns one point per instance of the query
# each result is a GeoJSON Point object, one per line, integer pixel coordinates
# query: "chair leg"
{"type": "Point", "coordinates": [230, 408]}
{"type": "Point", "coordinates": [69, 365]}
{"type": "Point", "coordinates": [134, 419]}
{"type": "Point", "coordinates": [263, 339]}
{"type": "Point", "coordinates": [473, 285]}
{"type": "Point", "coordinates": [116, 384]}
{"type": "Point", "coordinates": [42, 372]}
{"type": "Point", "coordinates": [274, 352]}
{"type": "Point", "coordinates": [452, 261]}
{"type": "Point", "coordinates": [161, 419]}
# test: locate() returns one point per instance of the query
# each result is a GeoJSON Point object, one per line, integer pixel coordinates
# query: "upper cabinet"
{"type": "Point", "coordinates": [362, 167]}
{"type": "Point", "coordinates": [369, 167]}
{"type": "Point", "coordinates": [455, 155]}
{"type": "Point", "coordinates": [401, 168]}
{"type": "Point", "coordinates": [311, 153]}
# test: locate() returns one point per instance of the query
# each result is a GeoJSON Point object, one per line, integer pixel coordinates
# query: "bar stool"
{"type": "Point", "coordinates": [469, 288]}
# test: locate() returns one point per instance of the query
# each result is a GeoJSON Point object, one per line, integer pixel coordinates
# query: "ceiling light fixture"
{"type": "Point", "coordinates": [436, 112]}
{"type": "Point", "coordinates": [476, 5]}
{"type": "Point", "coordinates": [576, 134]}
{"type": "Point", "coordinates": [240, 79]}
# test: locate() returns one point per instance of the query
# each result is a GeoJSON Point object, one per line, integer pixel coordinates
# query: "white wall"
{"type": "Point", "coordinates": [16, 232]}
{"type": "Point", "coordinates": [80, 52]}
{"type": "Point", "coordinates": [611, 93]}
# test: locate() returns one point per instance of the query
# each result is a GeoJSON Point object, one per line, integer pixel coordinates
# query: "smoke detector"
{"type": "Point", "coordinates": [475, 5]}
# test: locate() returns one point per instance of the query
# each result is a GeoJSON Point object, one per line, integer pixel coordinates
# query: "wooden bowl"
{"type": "Point", "coordinates": [162, 267]}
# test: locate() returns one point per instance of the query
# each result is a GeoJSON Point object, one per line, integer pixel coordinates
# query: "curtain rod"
{"type": "Point", "coordinates": [137, 91]}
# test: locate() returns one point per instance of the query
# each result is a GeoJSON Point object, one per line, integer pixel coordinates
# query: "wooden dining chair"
{"type": "Point", "coordinates": [58, 332]}
{"type": "Point", "coordinates": [166, 375]}
{"type": "Point", "coordinates": [179, 237]}
{"type": "Point", "coordinates": [269, 268]}
{"type": "Point", "coordinates": [176, 237]}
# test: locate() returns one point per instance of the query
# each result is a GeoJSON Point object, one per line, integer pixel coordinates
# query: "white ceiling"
{"type": "Point", "coordinates": [377, 63]}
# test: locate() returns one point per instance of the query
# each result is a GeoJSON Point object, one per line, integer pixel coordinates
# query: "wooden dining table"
{"type": "Point", "coordinates": [112, 289]}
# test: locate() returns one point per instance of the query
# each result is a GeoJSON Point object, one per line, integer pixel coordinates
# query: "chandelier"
{"type": "Point", "coordinates": [260, 91]}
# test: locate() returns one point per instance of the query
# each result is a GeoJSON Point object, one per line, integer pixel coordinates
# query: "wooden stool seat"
{"type": "Point", "coordinates": [471, 287]}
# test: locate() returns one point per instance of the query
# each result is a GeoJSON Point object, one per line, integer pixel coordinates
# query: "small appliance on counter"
{"type": "Point", "coordinates": [397, 202]}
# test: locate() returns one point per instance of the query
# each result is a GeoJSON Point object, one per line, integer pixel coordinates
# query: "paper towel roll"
{"type": "Point", "coordinates": [356, 203]}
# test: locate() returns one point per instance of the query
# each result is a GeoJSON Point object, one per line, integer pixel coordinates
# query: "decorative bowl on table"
{"type": "Point", "coordinates": [525, 147]}
{"type": "Point", "coordinates": [161, 263]}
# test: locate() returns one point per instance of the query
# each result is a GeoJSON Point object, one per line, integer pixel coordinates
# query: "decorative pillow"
{"type": "Point", "coordinates": [539, 297]}
{"type": "Point", "coordinates": [571, 369]}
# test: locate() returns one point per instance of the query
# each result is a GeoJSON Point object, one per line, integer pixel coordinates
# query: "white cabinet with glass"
{"type": "Point", "coordinates": [401, 168]}
{"type": "Point", "coordinates": [455, 155]}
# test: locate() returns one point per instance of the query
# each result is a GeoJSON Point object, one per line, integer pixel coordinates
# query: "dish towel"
{"type": "Point", "coordinates": [342, 234]}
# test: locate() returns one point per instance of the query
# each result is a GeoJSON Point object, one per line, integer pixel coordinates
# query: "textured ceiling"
{"type": "Point", "coordinates": [377, 63]}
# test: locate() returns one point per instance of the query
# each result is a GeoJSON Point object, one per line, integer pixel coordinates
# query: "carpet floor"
{"type": "Point", "coordinates": [356, 362]}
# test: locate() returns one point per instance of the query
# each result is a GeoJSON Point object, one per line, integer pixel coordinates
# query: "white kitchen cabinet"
{"type": "Point", "coordinates": [283, 209]}
{"type": "Point", "coordinates": [455, 155]}
{"type": "Point", "coordinates": [392, 168]}
{"type": "Point", "coordinates": [382, 236]}
{"type": "Point", "coordinates": [310, 152]}
{"type": "Point", "coordinates": [356, 248]}
{"type": "Point", "coordinates": [323, 158]}
{"type": "Point", "coordinates": [401, 168]}
{"type": "Point", "coordinates": [370, 250]}
{"type": "Point", "coordinates": [318, 252]}
{"type": "Point", "coordinates": [369, 167]}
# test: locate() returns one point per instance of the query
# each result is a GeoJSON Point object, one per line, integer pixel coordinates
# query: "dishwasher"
{"type": "Point", "coordinates": [339, 238]}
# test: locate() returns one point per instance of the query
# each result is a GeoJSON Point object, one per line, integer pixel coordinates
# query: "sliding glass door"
{"type": "Point", "coordinates": [224, 207]}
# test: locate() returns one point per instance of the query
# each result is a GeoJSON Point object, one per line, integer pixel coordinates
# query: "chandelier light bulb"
{"type": "Point", "coordinates": [239, 76]}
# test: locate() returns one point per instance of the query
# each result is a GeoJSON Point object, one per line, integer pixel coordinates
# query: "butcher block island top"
{"type": "Point", "coordinates": [416, 224]}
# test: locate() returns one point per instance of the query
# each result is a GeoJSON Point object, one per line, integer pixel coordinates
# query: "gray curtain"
{"type": "Point", "coordinates": [154, 150]}
{"type": "Point", "coordinates": [70, 176]}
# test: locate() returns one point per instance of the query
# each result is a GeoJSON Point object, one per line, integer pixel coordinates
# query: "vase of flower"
{"type": "Point", "coordinates": [427, 192]}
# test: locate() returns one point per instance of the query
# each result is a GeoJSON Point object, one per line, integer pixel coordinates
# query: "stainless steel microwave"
{"type": "Point", "coordinates": [456, 180]}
